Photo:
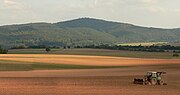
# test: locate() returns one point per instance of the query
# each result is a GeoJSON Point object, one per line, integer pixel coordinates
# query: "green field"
{"type": "Point", "coordinates": [98, 52]}
{"type": "Point", "coordinates": [27, 66]}
{"type": "Point", "coordinates": [144, 44]}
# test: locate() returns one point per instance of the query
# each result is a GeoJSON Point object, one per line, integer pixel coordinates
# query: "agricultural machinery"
{"type": "Point", "coordinates": [151, 78]}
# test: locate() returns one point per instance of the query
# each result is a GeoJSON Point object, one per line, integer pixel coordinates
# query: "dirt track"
{"type": "Point", "coordinates": [86, 60]}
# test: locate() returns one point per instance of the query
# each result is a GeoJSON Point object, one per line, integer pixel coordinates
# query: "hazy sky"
{"type": "Point", "coordinates": [156, 13]}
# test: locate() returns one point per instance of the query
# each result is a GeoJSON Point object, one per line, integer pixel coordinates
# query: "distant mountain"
{"type": "Point", "coordinates": [83, 31]}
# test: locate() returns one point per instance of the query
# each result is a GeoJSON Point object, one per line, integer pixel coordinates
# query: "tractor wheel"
{"type": "Point", "coordinates": [164, 83]}
{"type": "Point", "coordinates": [161, 83]}
{"type": "Point", "coordinates": [153, 81]}
{"type": "Point", "coordinates": [146, 82]}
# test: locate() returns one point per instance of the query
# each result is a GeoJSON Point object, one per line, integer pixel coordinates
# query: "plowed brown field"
{"type": "Point", "coordinates": [116, 81]}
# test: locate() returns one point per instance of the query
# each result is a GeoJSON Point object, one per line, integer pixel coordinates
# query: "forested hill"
{"type": "Point", "coordinates": [83, 31]}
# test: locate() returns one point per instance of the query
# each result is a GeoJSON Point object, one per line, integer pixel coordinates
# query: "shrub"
{"type": "Point", "coordinates": [48, 49]}
{"type": "Point", "coordinates": [3, 51]}
{"type": "Point", "coordinates": [175, 55]}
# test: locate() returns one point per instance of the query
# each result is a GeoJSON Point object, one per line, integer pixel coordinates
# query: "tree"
{"type": "Point", "coordinates": [48, 49]}
{"type": "Point", "coordinates": [176, 55]}
{"type": "Point", "coordinates": [3, 51]}
{"type": "Point", "coordinates": [69, 47]}
{"type": "Point", "coordinates": [64, 47]}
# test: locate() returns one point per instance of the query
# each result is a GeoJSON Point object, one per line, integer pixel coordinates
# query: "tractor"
{"type": "Point", "coordinates": [151, 78]}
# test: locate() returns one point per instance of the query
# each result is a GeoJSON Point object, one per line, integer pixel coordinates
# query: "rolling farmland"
{"type": "Point", "coordinates": [81, 74]}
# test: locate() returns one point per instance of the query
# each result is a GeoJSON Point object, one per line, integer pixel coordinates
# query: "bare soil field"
{"type": "Point", "coordinates": [88, 82]}
{"type": "Point", "coordinates": [111, 81]}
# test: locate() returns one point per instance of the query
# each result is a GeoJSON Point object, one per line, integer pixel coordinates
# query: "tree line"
{"type": "Point", "coordinates": [152, 48]}
{"type": "Point", "coordinates": [3, 51]}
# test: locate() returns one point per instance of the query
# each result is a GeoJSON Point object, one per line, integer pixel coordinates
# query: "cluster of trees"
{"type": "Point", "coordinates": [3, 51]}
{"type": "Point", "coordinates": [176, 51]}
{"type": "Point", "coordinates": [175, 55]}
{"type": "Point", "coordinates": [153, 48]}
{"type": "Point", "coordinates": [47, 48]}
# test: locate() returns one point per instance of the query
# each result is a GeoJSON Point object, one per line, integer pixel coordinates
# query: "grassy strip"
{"type": "Point", "coordinates": [15, 67]}
{"type": "Point", "coordinates": [7, 66]}
{"type": "Point", "coordinates": [40, 66]}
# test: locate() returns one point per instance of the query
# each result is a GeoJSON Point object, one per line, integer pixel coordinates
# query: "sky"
{"type": "Point", "coordinates": [150, 13]}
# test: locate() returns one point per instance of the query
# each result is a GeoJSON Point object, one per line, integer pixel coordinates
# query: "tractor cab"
{"type": "Point", "coordinates": [154, 74]}
{"type": "Point", "coordinates": [151, 74]}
